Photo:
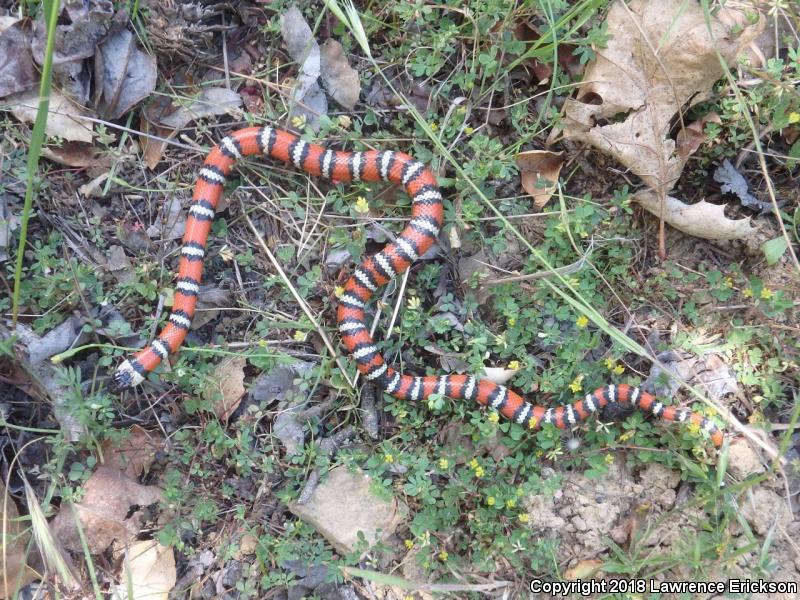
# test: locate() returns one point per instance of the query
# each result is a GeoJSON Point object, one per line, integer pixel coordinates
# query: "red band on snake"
{"type": "Point", "coordinates": [427, 216]}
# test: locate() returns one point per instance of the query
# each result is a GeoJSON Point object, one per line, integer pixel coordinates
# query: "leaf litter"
{"type": "Point", "coordinates": [539, 170]}
{"type": "Point", "coordinates": [661, 60]}
{"type": "Point", "coordinates": [148, 571]}
{"type": "Point", "coordinates": [17, 71]}
{"type": "Point", "coordinates": [111, 509]}
{"type": "Point", "coordinates": [328, 63]}
{"type": "Point", "coordinates": [703, 219]}
{"type": "Point", "coordinates": [734, 183]}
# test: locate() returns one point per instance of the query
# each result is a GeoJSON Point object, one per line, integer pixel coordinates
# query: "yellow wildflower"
{"type": "Point", "coordinates": [619, 370]}
{"type": "Point", "coordinates": [747, 292]}
{"type": "Point", "coordinates": [474, 463]}
{"type": "Point", "coordinates": [444, 464]}
{"type": "Point", "coordinates": [344, 121]}
{"type": "Point", "coordinates": [300, 336]}
{"type": "Point", "coordinates": [766, 293]}
{"type": "Point", "coordinates": [494, 417]}
{"type": "Point", "coordinates": [388, 458]}
{"type": "Point", "coordinates": [511, 503]}
{"type": "Point", "coordinates": [609, 363]}
{"type": "Point", "coordinates": [794, 117]}
{"type": "Point", "coordinates": [514, 365]}
{"type": "Point", "coordinates": [576, 384]}
{"type": "Point", "coordinates": [524, 518]}
{"type": "Point", "coordinates": [479, 472]}
{"type": "Point", "coordinates": [339, 291]}
{"type": "Point", "coordinates": [626, 436]}
{"type": "Point", "coordinates": [434, 126]}
{"type": "Point", "coordinates": [609, 458]}
{"type": "Point", "coordinates": [414, 303]}
{"type": "Point", "coordinates": [409, 544]}
{"type": "Point", "coordinates": [490, 501]}
{"type": "Point", "coordinates": [582, 321]}
{"type": "Point", "coordinates": [511, 321]}
{"type": "Point", "coordinates": [443, 555]}
{"type": "Point", "coordinates": [361, 206]}
{"type": "Point", "coordinates": [299, 121]}
{"type": "Point", "coordinates": [469, 130]}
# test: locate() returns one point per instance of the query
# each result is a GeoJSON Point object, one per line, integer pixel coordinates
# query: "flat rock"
{"type": "Point", "coordinates": [343, 505]}
{"type": "Point", "coordinates": [763, 508]}
{"type": "Point", "coordinates": [743, 460]}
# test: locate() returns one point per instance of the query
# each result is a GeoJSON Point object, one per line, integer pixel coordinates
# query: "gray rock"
{"type": "Point", "coordinates": [343, 505]}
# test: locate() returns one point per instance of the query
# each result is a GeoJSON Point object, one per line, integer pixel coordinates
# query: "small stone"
{"type": "Point", "coordinates": [743, 460]}
{"type": "Point", "coordinates": [579, 523]}
{"type": "Point", "coordinates": [343, 505]}
{"type": "Point", "coordinates": [232, 574]}
{"type": "Point", "coordinates": [762, 508]}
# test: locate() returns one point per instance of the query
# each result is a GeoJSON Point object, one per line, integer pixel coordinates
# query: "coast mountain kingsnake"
{"type": "Point", "coordinates": [427, 216]}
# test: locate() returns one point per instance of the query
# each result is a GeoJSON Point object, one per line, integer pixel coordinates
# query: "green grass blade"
{"type": "Point", "coordinates": [51, 9]}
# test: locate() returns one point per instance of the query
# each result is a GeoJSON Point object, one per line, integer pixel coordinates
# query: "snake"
{"type": "Point", "coordinates": [375, 271]}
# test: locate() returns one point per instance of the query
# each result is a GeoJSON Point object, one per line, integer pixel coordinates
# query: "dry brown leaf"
{"type": "Point", "coordinates": [703, 220]}
{"type": "Point", "coordinates": [693, 135]}
{"type": "Point", "coordinates": [107, 512]}
{"type": "Point", "coordinates": [567, 60]}
{"type": "Point", "coordinates": [661, 60]}
{"type": "Point", "coordinates": [163, 119]}
{"type": "Point", "coordinates": [210, 102]}
{"type": "Point", "coordinates": [340, 79]}
{"type": "Point", "coordinates": [585, 569]}
{"type": "Point", "coordinates": [62, 117]}
{"type": "Point", "coordinates": [17, 71]}
{"type": "Point", "coordinates": [148, 572]}
{"type": "Point", "coordinates": [229, 376]}
{"type": "Point", "coordinates": [539, 170]}
{"type": "Point", "coordinates": [133, 455]}
{"type": "Point", "coordinates": [76, 154]}
{"type": "Point", "coordinates": [124, 75]}
{"type": "Point", "coordinates": [308, 100]}
{"type": "Point", "coordinates": [14, 570]}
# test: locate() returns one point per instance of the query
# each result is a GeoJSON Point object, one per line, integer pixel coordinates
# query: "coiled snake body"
{"type": "Point", "coordinates": [427, 216]}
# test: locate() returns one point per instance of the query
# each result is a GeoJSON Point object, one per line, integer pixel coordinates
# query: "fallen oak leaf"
{"type": "Point", "coordinates": [539, 170]}
{"type": "Point", "coordinates": [662, 58]}
{"type": "Point", "coordinates": [63, 117]}
{"type": "Point", "coordinates": [148, 571]}
{"type": "Point", "coordinates": [703, 220]}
